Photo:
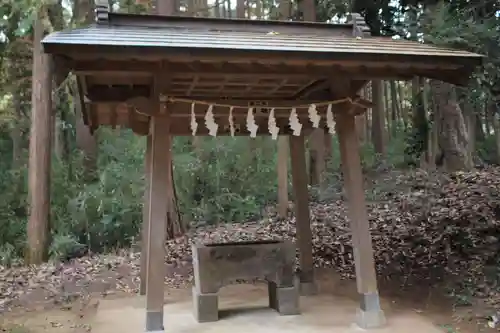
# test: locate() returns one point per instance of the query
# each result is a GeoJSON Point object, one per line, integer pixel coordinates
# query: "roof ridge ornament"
{"type": "Point", "coordinates": [101, 11]}
{"type": "Point", "coordinates": [359, 27]}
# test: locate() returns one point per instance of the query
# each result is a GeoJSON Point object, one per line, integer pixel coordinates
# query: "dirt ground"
{"type": "Point", "coordinates": [80, 315]}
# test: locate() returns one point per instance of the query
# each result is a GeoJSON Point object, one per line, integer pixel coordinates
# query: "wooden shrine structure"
{"type": "Point", "coordinates": [163, 76]}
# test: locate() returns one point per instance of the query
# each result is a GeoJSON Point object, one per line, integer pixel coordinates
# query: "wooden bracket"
{"type": "Point", "coordinates": [137, 126]}
{"type": "Point", "coordinates": [142, 104]}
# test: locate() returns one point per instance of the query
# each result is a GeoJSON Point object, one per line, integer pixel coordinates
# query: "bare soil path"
{"type": "Point", "coordinates": [411, 309]}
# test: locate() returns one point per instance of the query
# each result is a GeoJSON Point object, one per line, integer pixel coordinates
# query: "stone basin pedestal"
{"type": "Point", "coordinates": [218, 264]}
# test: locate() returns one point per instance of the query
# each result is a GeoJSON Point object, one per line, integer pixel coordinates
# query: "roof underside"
{"type": "Point", "coordinates": [197, 58]}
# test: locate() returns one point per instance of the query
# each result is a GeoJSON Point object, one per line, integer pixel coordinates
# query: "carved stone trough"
{"type": "Point", "coordinates": [218, 264]}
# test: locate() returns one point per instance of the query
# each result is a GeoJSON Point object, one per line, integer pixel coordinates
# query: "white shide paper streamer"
{"type": "Point", "coordinates": [273, 129]}
{"type": "Point", "coordinates": [294, 122]}
{"type": "Point", "coordinates": [194, 124]}
{"type": "Point", "coordinates": [330, 122]}
{"type": "Point", "coordinates": [231, 121]}
{"type": "Point", "coordinates": [210, 122]}
{"type": "Point", "coordinates": [251, 125]}
{"type": "Point", "coordinates": [314, 117]}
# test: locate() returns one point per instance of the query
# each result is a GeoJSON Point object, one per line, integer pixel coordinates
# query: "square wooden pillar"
{"type": "Point", "coordinates": [145, 217]}
{"type": "Point", "coordinates": [302, 218]}
{"type": "Point", "coordinates": [158, 207]}
{"type": "Point", "coordinates": [369, 313]}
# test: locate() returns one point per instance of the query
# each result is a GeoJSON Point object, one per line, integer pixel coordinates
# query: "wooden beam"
{"type": "Point", "coordinates": [113, 114]}
{"type": "Point", "coordinates": [183, 105]}
{"type": "Point", "coordinates": [283, 108]}
{"type": "Point", "coordinates": [154, 53]}
{"type": "Point", "coordinates": [370, 314]}
{"type": "Point", "coordinates": [122, 93]}
{"type": "Point", "coordinates": [114, 79]}
{"type": "Point", "coordinates": [302, 216]}
{"type": "Point", "coordinates": [180, 125]}
{"type": "Point", "coordinates": [183, 110]}
{"type": "Point", "coordinates": [250, 70]}
{"type": "Point", "coordinates": [312, 88]}
{"type": "Point", "coordinates": [359, 70]}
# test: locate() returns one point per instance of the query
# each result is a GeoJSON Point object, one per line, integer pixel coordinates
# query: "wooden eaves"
{"type": "Point", "coordinates": [122, 59]}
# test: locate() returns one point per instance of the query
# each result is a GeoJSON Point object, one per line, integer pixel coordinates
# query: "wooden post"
{"type": "Point", "coordinates": [145, 217]}
{"type": "Point", "coordinates": [370, 314]}
{"type": "Point", "coordinates": [302, 218]}
{"type": "Point", "coordinates": [159, 181]}
{"type": "Point", "coordinates": [282, 166]}
{"type": "Point", "coordinates": [40, 148]}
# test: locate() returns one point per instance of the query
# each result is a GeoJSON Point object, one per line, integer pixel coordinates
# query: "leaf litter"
{"type": "Point", "coordinates": [427, 228]}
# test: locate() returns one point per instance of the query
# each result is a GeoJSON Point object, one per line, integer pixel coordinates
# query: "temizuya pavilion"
{"type": "Point", "coordinates": [163, 76]}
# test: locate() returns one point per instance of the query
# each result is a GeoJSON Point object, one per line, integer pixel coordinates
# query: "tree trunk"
{"type": "Point", "coordinates": [395, 107]}
{"type": "Point", "coordinates": [56, 18]}
{"type": "Point", "coordinates": [317, 161]}
{"type": "Point", "coordinates": [425, 91]}
{"type": "Point", "coordinates": [229, 13]}
{"type": "Point", "coordinates": [378, 126]}
{"type": "Point", "coordinates": [420, 122]}
{"type": "Point", "coordinates": [491, 108]}
{"type": "Point", "coordinates": [404, 110]}
{"type": "Point", "coordinates": [453, 137]}
{"type": "Point", "coordinates": [480, 135]}
{"type": "Point", "coordinates": [368, 114]}
{"type": "Point", "coordinates": [175, 226]}
{"type": "Point", "coordinates": [240, 8]}
{"type": "Point", "coordinates": [469, 116]}
{"type": "Point", "coordinates": [361, 127]}
{"type": "Point", "coordinates": [284, 8]}
{"type": "Point", "coordinates": [15, 133]}
{"type": "Point", "coordinates": [85, 140]}
{"type": "Point", "coordinates": [282, 171]}
{"type": "Point", "coordinates": [360, 121]}
{"type": "Point", "coordinates": [433, 148]}
{"type": "Point", "coordinates": [59, 106]}
{"type": "Point", "coordinates": [66, 133]}
{"type": "Point", "coordinates": [40, 151]}
{"type": "Point", "coordinates": [387, 111]}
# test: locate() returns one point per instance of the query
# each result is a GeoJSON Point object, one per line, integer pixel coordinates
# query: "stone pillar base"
{"type": "Point", "coordinates": [285, 300]}
{"type": "Point", "coordinates": [306, 283]}
{"type": "Point", "coordinates": [206, 306]}
{"type": "Point", "coordinates": [370, 319]}
{"type": "Point", "coordinates": [154, 322]}
{"type": "Point", "coordinates": [370, 315]}
{"type": "Point", "coordinates": [308, 288]}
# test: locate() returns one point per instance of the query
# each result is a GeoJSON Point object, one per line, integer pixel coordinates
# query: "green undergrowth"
{"type": "Point", "coordinates": [222, 182]}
